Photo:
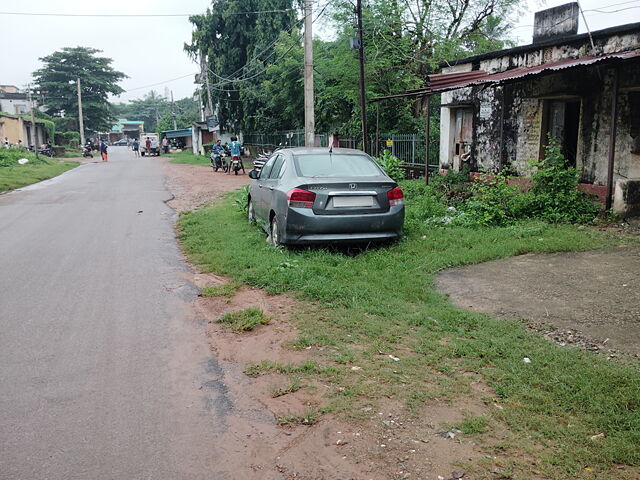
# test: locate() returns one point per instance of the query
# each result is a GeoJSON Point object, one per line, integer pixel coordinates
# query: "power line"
{"type": "Point", "coordinates": [135, 15]}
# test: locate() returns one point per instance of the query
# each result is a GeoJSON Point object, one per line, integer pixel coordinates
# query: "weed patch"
{"type": "Point", "coordinates": [227, 290]}
{"type": "Point", "coordinates": [244, 320]}
{"type": "Point", "coordinates": [292, 387]}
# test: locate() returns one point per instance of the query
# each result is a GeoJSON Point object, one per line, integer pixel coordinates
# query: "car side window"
{"type": "Point", "coordinates": [266, 169]}
{"type": "Point", "coordinates": [277, 167]}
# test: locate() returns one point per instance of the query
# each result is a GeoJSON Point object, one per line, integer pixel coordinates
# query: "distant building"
{"type": "Point", "coordinates": [16, 127]}
{"type": "Point", "coordinates": [13, 101]}
{"type": "Point", "coordinates": [126, 129]}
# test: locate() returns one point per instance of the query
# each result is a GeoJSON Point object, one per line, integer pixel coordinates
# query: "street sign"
{"type": "Point", "coordinates": [389, 142]}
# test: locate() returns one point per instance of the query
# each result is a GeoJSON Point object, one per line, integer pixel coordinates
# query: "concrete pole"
{"type": "Point", "coordinates": [173, 112]}
{"type": "Point", "coordinates": [309, 114]}
{"type": "Point", "coordinates": [34, 135]}
{"type": "Point", "coordinates": [205, 71]}
{"type": "Point", "coordinates": [363, 100]}
{"type": "Point", "coordinates": [427, 134]}
{"type": "Point", "coordinates": [80, 118]}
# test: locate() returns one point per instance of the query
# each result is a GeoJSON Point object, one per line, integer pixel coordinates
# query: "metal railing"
{"type": "Point", "coordinates": [290, 138]}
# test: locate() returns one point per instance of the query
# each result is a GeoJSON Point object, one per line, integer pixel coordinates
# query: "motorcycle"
{"type": "Point", "coordinates": [236, 165]}
{"type": "Point", "coordinates": [217, 162]}
{"type": "Point", "coordinates": [86, 151]}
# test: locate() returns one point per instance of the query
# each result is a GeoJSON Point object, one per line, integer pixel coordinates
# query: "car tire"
{"type": "Point", "coordinates": [275, 232]}
{"type": "Point", "coordinates": [251, 213]}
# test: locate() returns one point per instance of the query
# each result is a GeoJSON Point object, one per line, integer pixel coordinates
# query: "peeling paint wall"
{"type": "Point", "coordinates": [508, 121]}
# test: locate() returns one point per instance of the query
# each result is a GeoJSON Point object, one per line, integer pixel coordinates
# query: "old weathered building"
{"type": "Point", "coordinates": [498, 109]}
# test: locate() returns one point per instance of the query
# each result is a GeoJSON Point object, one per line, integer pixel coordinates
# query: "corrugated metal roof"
{"type": "Point", "coordinates": [454, 81]}
{"type": "Point", "coordinates": [445, 82]}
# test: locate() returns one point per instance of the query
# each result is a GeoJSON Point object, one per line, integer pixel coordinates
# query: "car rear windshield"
{"type": "Point", "coordinates": [336, 165]}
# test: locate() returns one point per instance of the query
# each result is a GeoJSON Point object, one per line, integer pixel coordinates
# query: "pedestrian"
{"type": "Point", "coordinates": [103, 151]}
{"type": "Point", "coordinates": [165, 145]}
{"type": "Point", "coordinates": [147, 145]}
{"type": "Point", "coordinates": [135, 146]}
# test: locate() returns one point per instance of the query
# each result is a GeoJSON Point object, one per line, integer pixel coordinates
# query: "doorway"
{"type": "Point", "coordinates": [462, 138]}
{"type": "Point", "coordinates": [561, 121]}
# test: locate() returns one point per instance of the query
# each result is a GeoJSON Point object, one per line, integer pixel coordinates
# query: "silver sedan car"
{"type": "Point", "coordinates": [317, 195]}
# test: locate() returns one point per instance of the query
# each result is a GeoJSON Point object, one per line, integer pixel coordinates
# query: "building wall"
{"type": "Point", "coordinates": [508, 120]}
{"type": "Point", "coordinates": [15, 128]}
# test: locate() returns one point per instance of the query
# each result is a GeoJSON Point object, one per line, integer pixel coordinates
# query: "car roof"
{"type": "Point", "coordinates": [316, 150]}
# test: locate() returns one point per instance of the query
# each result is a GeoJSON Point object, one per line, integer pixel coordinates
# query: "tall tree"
{"type": "Point", "coordinates": [237, 40]}
{"type": "Point", "coordinates": [58, 78]}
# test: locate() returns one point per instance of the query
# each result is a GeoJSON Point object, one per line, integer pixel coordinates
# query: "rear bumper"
{"type": "Point", "coordinates": [302, 226]}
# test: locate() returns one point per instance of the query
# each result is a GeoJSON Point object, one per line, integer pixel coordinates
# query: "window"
{"type": "Point", "coordinates": [336, 165]}
{"type": "Point", "coordinates": [266, 169]}
{"type": "Point", "coordinates": [277, 167]}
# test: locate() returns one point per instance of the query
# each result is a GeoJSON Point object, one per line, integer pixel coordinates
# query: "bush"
{"type": "Point", "coordinates": [9, 156]}
{"type": "Point", "coordinates": [70, 138]}
{"type": "Point", "coordinates": [391, 166]}
{"type": "Point", "coordinates": [555, 195]}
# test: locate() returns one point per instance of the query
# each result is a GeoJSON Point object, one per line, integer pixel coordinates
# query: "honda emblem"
{"type": "Point", "coordinates": [353, 186]}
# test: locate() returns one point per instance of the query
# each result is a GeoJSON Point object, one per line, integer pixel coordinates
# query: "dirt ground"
{"type": "Point", "coordinates": [588, 299]}
{"type": "Point", "coordinates": [194, 186]}
{"type": "Point", "coordinates": [386, 443]}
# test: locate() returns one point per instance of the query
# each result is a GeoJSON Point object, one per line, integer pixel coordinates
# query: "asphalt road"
{"type": "Point", "coordinates": [101, 369]}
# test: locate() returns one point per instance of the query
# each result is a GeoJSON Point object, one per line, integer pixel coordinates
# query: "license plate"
{"type": "Point", "coordinates": [353, 201]}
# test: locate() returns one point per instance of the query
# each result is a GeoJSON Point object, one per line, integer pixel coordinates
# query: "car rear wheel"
{"type": "Point", "coordinates": [275, 232]}
{"type": "Point", "coordinates": [251, 213]}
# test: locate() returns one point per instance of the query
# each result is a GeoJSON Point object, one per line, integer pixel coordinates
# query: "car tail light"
{"type": "Point", "coordinates": [299, 198]}
{"type": "Point", "coordinates": [395, 196]}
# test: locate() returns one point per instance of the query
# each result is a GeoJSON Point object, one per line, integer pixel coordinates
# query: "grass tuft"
{"type": "Point", "coordinates": [227, 290]}
{"type": "Point", "coordinates": [244, 320]}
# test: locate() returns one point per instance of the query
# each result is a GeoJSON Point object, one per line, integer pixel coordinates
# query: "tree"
{"type": "Point", "coordinates": [58, 78]}
{"type": "Point", "coordinates": [236, 40]}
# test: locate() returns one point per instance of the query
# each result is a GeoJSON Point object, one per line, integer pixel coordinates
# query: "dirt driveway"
{"type": "Point", "coordinates": [587, 298]}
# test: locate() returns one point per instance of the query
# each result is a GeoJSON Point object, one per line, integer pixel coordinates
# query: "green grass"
{"type": "Point", "coordinates": [227, 290]}
{"type": "Point", "coordinates": [384, 300]}
{"type": "Point", "coordinates": [22, 175]}
{"type": "Point", "coordinates": [244, 320]}
{"type": "Point", "coordinates": [473, 424]}
{"type": "Point", "coordinates": [188, 157]}
{"type": "Point", "coordinates": [291, 387]}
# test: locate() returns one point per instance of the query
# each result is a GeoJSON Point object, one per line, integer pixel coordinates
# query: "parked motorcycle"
{"type": "Point", "coordinates": [86, 151]}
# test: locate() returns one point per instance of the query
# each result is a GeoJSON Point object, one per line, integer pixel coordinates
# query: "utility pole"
{"type": "Point", "coordinates": [363, 100]}
{"type": "Point", "coordinates": [204, 64]}
{"type": "Point", "coordinates": [80, 118]}
{"type": "Point", "coordinates": [309, 114]}
{"type": "Point", "coordinates": [34, 137]}
{"type": "Point", "coordinates": [173, 112]}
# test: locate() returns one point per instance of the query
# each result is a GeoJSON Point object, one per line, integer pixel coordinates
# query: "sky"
{"type": "Point", "coordinates": [150, 49]}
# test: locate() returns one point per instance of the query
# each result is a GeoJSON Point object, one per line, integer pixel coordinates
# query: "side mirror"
{"type": "Point", "coordinates": [254, 174]}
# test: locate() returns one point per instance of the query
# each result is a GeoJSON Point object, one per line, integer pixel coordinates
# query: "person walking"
{"type": "Point", "coordinates": [165, 145]}
{"type": "Point", "coordinates": [103, 151]}
{"type": "Point", "coordinates": [147, 146]}
{"type": "Point", "coordinates": [135, 146]}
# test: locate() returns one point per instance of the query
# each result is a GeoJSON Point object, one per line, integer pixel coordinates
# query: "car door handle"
{"type": "Point", "coordinates": [270, 188]}
{"type": "Point", "coordinates": [259, 186]}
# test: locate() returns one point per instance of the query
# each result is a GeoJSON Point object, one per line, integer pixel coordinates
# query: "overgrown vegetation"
{"type": "Point", "coordinates": [391, 165]}
{"type": "Point", "coordinates": [13, 175]}
{"type": "Point", "coordinates": [553, 196]}
{"type": "Point", "coordinates": [244, 320]}
{"type": "Point", "coordinates": [379, 302]}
